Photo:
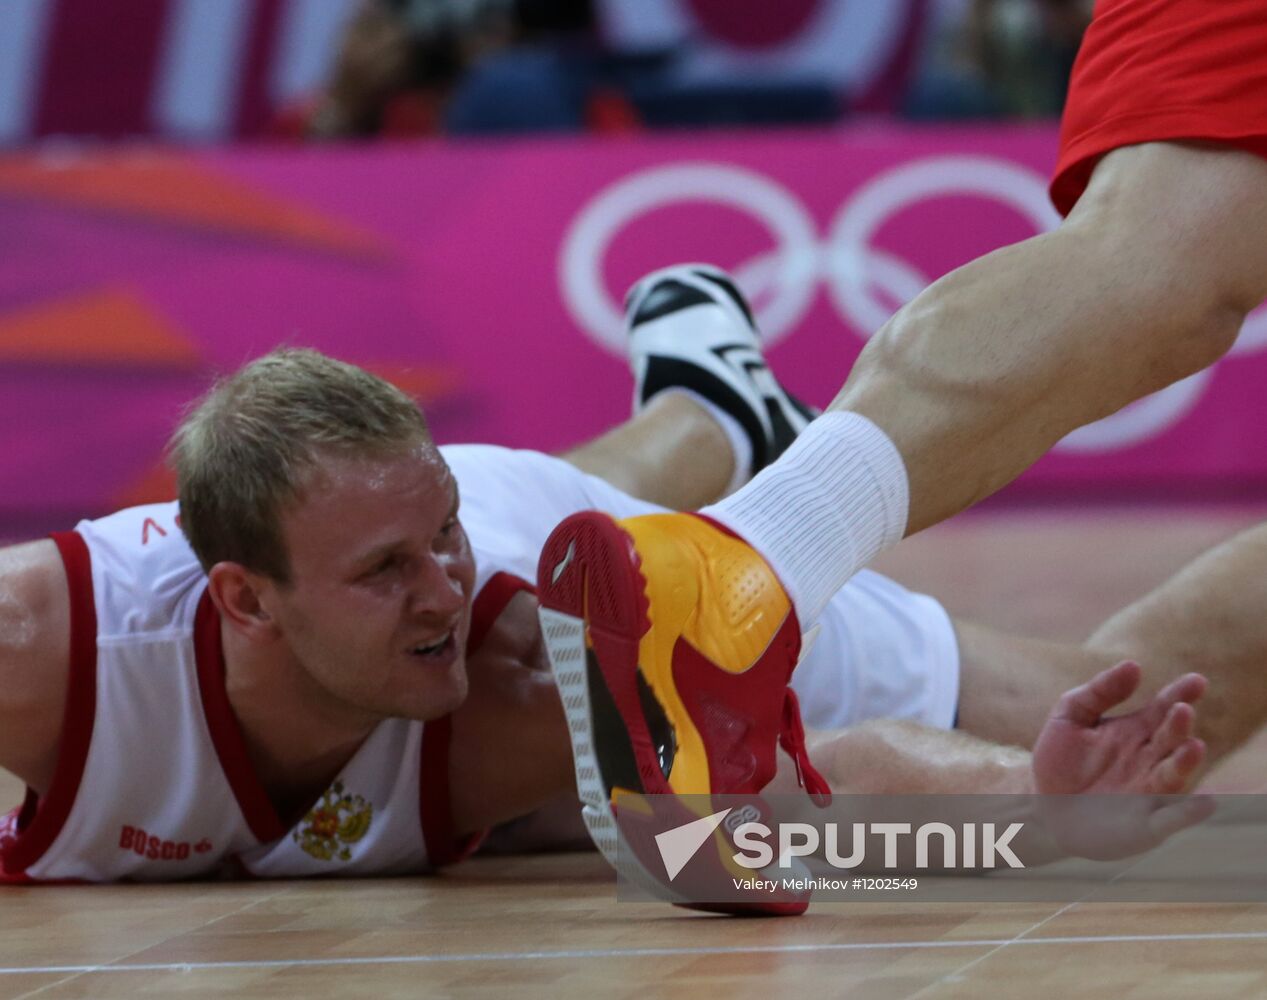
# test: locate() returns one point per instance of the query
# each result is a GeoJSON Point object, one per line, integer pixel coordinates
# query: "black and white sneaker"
{"type": "Point", "coordinates": [691, 328]}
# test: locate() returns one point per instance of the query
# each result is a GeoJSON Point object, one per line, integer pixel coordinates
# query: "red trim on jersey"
{"type": "Point", "coordinates": [489, 604]}
{"type": "Point", "coordinates": [41, 820]}
{"type": "Point", "coordinates": [434, 811]}
{"type": "Point", "coordinates": [434, 802]}
{"type": "Point", "coordinates": [226, 734]}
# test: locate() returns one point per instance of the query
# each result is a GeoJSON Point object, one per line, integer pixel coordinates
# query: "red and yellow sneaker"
{"type": "Point", "coordinates": [672, 642]}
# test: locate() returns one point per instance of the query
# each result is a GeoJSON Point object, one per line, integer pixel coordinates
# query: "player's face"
{"type": "Point", "coordinates": [378, 606]}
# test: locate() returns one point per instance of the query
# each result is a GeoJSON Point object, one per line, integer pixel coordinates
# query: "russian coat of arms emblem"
{"type": "Point", "coordinates": [334, 824]}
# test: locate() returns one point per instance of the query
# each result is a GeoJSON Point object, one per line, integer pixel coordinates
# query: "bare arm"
{"type": "Point", "coordinates": [1147, 282]}
{"type": "Point", "coordinates": [510, 754]}
{"type": "Point", "coordinates": [34, 659]}
{"type": "Point", "coordinates": [894, 756]}
{"type": "Point", "coordinates": [1146, 756]}
{"type": "Point", "coordinates": [556, 826]}
{"type": "Point", "coordinates": [1152, 749]}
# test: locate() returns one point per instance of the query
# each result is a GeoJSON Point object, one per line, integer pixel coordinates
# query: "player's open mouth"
{"type": "Point", "coordinates": [437, 649]}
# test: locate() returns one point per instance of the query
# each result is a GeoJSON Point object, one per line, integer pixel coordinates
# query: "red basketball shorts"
{"type": "Point", "coordinates": [1153, 70]}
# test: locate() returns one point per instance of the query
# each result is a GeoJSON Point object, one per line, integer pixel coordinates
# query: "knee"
{"type": "Point", "coordinates": [1212, 327]}
{"type": "Point", "coordinates": [1190, 224]}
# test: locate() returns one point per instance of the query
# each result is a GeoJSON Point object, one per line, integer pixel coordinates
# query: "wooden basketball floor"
{"type": "Point", "coordinates": [550, 925]}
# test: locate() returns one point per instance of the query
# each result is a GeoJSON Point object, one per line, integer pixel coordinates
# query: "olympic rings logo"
{"type": "Point", "coordinates": [864, 282]}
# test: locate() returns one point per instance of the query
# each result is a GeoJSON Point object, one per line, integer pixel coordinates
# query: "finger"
{"type": "Point", "coordinates": [1084, 705]}
{"type": "Point", "coordinates": [1176, 727]}
{"type": "Point", "coordinates": [1179, 815]}
{"type": "Point", "coordinates": [1188, 688]}
{"type": "Point", "coordinates": [1172, 774]}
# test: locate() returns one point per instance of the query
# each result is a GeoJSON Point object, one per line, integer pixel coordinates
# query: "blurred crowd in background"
{"type": "Point", "coordinates": [185, 182]}
{"type": "Point", "coordinates": [312, 70]}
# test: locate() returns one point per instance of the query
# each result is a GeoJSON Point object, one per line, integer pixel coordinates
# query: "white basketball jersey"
{"type": "Point", "coordinates": [153, 781]}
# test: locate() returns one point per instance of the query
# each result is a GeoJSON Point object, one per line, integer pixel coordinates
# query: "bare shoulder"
{"type": "Point", "coordinates": [34, 658]}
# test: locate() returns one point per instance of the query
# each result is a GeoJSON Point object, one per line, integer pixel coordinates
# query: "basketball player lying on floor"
{"type": "Point", "coordinates": [312, 666]}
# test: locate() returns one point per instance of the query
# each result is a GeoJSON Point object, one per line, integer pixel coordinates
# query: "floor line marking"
{"type": "Point", "coordinates": [1019, 938]}
{"type": "Point", "coordinates": [608, 953]}
{"type": "Point", "coordinates": [1022, 938]}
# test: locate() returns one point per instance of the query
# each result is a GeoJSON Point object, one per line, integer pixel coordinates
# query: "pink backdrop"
{"type": "Point", "coordinates": [486, 279]}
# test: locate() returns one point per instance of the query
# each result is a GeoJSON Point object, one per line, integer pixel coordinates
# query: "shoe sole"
{"type": "Point", "coordinates": [593, 612]}
{"type": "Point", "coordinates": [593, 608]}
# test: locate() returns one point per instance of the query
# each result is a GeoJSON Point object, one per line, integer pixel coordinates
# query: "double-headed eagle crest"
{"type": "Point", "coordinates": [336, 822]}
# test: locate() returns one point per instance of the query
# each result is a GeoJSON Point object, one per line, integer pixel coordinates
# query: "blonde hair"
{"type": "Point", "coordinates": [242, 454]}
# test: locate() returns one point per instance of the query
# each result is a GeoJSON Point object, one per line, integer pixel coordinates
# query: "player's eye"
{"type": "Point", "coordinates": [384, 566]}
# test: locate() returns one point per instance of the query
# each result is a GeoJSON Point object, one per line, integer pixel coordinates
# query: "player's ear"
{"type": "Point", "coordinates": [236, 592]}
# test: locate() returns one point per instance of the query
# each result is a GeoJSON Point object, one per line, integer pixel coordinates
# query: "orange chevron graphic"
{"type": "Point", "coordinates": [427, 384]}
{"type": "Point", "coordinates": [110, 327]}
{"type": "Point", "coordinates": [174, 189]}
{"type": "Point", "coordinates": [156, 485]}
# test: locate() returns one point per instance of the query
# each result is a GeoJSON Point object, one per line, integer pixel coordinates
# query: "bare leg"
{"type": "Point", "coordinates": [1210, 617]}
{"type": "Point", "coordinates": [1008, 683]}
{"type": "Point", "coordinates": [672, 453]}
{"type": "Point", "coordinates": [1147, 282]}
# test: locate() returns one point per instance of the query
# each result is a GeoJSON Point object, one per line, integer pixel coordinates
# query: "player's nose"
{"type": "Point", "coordinates": [437, 593]}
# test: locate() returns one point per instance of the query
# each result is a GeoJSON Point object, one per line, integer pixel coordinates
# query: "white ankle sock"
{"type": "Point", "coordinates": [835, 499]}
{"type": "Point", "coordinates": [740, 443]}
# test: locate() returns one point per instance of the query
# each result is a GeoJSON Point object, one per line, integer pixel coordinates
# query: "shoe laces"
{"type": "Point", "coordinates": [792, 740]}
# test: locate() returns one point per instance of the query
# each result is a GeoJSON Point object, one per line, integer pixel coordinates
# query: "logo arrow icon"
{"type": "Point", "coordinates": [679, 845]}
{"type": "Point", "coordinates": [564, 563]}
